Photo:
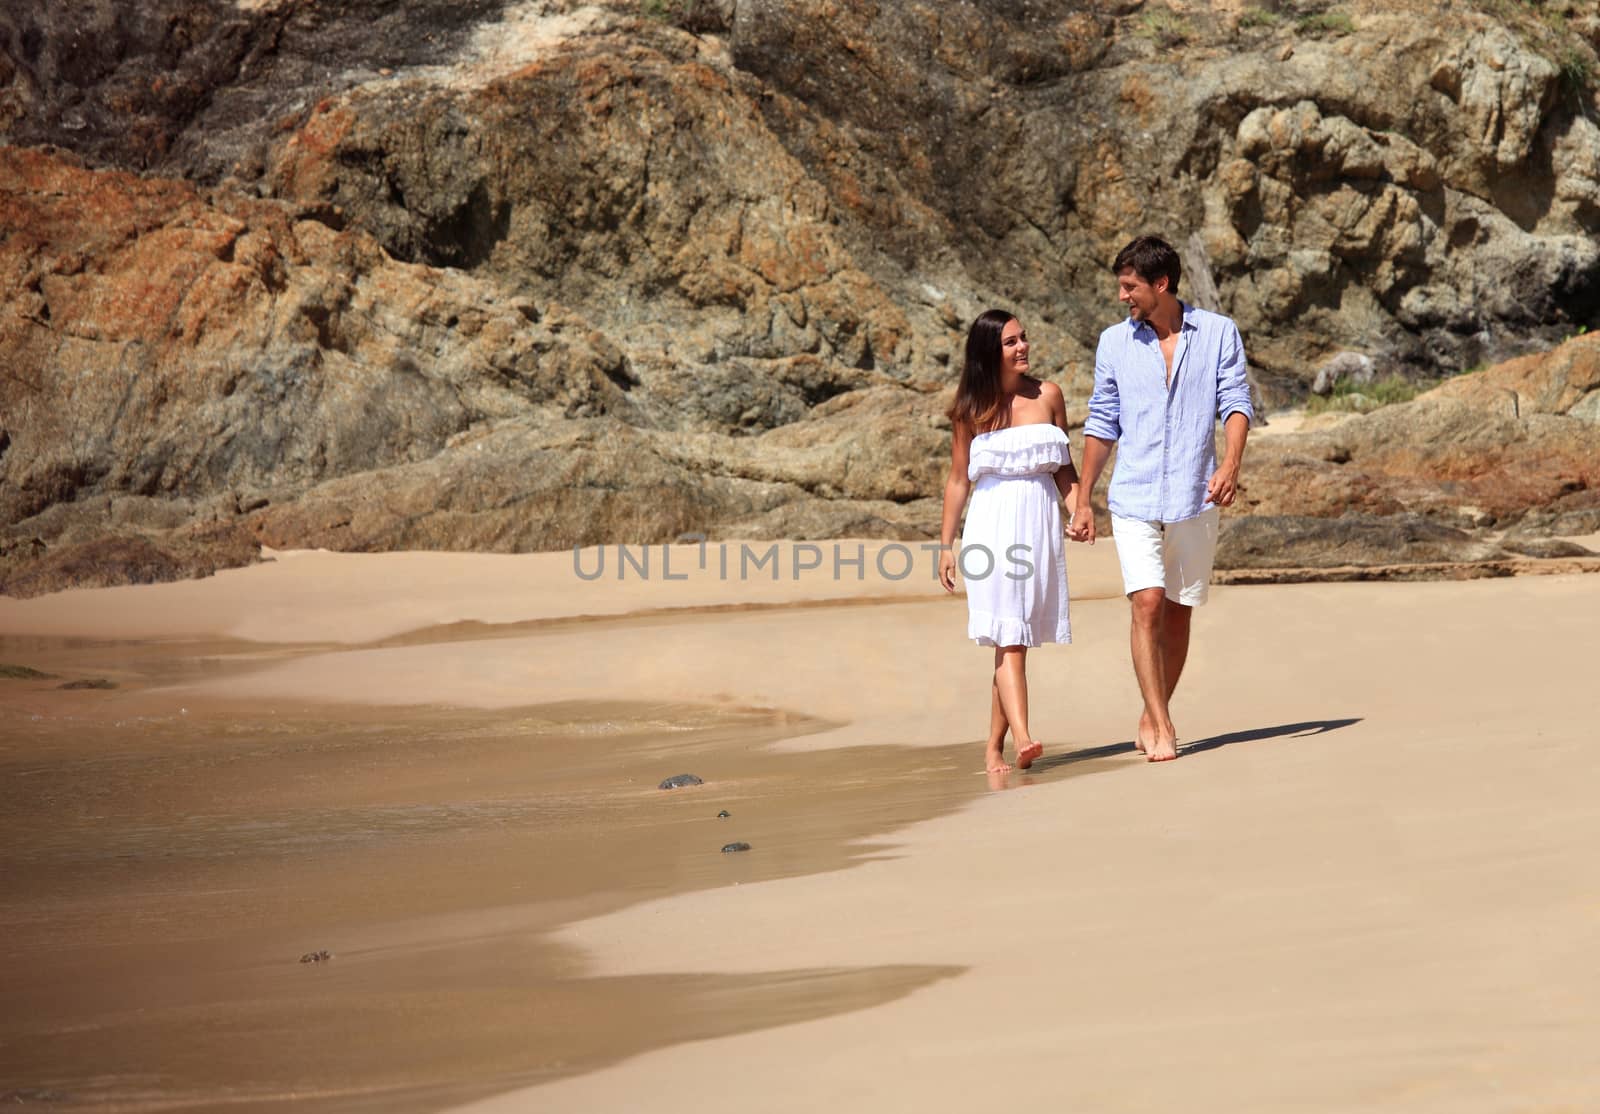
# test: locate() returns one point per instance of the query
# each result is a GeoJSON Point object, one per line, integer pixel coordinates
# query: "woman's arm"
{"type": "Point", "coordinates": [956, 489]}
{"type": "Point", "coordinates": [1066, 476]}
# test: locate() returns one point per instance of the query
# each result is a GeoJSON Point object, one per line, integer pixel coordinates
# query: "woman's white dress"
{"type": "Point", "coordinates": [1012, 555]}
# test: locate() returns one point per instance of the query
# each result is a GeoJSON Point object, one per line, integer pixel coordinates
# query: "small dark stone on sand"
{"type": "Point", "coordinates": [91, 683]}
{"type": "Point", "coordinates": [678, 781]}
{"type": "Point", "coordinates": [724, 814]}
{"type": "Point", "coordinates": [729, 847]}
{"type": "Point", "coordinates": [22, 673]}
{"type": "Point", "coordinates": [316, 957]}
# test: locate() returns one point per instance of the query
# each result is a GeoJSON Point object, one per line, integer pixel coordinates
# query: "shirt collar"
{"type": "Point", "coordinates": [1189, 321]}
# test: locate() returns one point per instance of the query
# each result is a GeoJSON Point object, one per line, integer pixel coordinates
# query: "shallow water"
{"type": "Point", "coordinates": [166, 865]}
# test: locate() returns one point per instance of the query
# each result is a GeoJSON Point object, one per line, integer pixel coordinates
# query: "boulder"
{"type": "Point", "coordinates": [1300, 542]}
{"type": "Point", "coordinates": [1343, 367]}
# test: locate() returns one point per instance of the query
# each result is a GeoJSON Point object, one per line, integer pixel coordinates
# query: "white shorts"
{"type": "Point", "coordinates": [1176, 556]}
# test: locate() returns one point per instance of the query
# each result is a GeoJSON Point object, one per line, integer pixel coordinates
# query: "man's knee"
{"type": "Point", "coordinates": [1148, 606]}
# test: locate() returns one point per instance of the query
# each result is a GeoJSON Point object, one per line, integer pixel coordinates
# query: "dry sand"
{"type": "Point", "coordinates": [1369, 883]}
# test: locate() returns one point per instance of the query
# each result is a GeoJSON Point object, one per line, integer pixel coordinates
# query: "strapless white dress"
{"type": "Point", "coordinates": [1012, 557]}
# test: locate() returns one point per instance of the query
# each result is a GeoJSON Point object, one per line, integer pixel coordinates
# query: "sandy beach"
{"type": "Point", "coordinates": [1366, 884]}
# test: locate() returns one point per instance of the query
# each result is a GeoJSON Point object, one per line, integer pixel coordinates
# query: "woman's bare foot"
{"type": "Point", "coordinates": [994, 759]}
{"type": "Point", "coordinates": [1027, 752]}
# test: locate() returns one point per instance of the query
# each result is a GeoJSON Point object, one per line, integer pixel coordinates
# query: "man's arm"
{"type": "Point", "coordinates": [1233, 405]}
{"type": "Point", "coordinates": [1224, 483]}
{"type": "Point", "coordinates": [1096, 451]}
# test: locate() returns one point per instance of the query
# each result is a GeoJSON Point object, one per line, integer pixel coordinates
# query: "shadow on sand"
{"type": "Point", "coordinates": [1254, 735]}
{"type": "Point", "coordinates": [1282, 731]}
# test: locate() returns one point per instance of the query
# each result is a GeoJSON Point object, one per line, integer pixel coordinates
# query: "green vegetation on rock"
{"type": "Point", "coordinates": [1325, 23]}
{"type": "Point", "coordinates": [1577, 71]}
{"type": "Point", "coordinates": [1545, 26]}
{"type": "Point", "coordinates": [1348, 397]}
{"type": "Point", "coordinates": [1259, 17]}
{"type": "Point", "coordinates": [667, 11]}
{"type": "Point", "coordinates": [1166, 27]}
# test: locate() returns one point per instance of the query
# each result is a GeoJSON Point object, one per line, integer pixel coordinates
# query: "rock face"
{"type": "Point", "coordinates": [1490, 449]}
{"type": "Point", "coordinates": [1481, 469]}
{"type": "Point", "coordinates": [195, 377]}
{"type": "Point", "coordinates": [495, 275]}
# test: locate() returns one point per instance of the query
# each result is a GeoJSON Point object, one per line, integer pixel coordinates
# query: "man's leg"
{"type": "Point", "coordinates": [1188, 552]}
{"type": "Point", "coordinates": [1174, 652]}
{"type": "Point", "coordinates": [1140, 551]}
{"type": "Point", "coordinates": [1150, 667]}
{"type": "Point", "coordinates": [1174, 642]}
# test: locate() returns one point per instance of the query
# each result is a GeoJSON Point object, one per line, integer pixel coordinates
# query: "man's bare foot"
{"type": "Point", "coordinates": [994, 760]}
{"type": "Point", "coordinates": [1162, 750]}
{"type": "Point", "coordinates": [1027, 753]}
{"type": "Point", "coordinates": [1145, 738]}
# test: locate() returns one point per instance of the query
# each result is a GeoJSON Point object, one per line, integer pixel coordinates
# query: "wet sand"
{"type": "Point", "coordinates": [1367, 884]}
{"type": "Point", "coordinates": [165, 872]}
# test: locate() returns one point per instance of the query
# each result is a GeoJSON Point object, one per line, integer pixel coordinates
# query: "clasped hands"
{"type": "Point", "coordinates": [1080, 527]}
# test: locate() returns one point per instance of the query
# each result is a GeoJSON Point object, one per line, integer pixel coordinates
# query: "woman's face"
{"type": "Point", "coordinates": [1013, 349]}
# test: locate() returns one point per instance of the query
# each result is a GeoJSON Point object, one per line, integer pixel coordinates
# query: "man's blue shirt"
{"type": "Point", "coordinates": [1166, 436]}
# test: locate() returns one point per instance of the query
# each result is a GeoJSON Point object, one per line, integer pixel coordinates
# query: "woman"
{"type": "Point", "coordinates": [1009, 451]}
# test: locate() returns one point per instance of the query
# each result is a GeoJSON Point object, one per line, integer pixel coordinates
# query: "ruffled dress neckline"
{"type": "Point", "coordinates": [1018, 450]}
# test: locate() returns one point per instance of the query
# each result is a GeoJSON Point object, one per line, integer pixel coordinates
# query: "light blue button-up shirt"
{"type": "Point", "coordinates": [1166, 435]}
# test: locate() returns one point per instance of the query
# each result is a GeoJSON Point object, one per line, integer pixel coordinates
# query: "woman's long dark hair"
{"type": "Point", "coordinates": [979, 398]}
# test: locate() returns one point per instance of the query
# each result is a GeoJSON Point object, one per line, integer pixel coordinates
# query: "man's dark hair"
{"type": "Point", "coordinates": [1151, 258]}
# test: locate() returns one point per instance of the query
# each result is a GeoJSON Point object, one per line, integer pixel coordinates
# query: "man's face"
{"type": "Point", "coordinates": [1139, 296]}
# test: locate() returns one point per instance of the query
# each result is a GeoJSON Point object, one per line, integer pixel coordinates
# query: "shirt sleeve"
{"type": "Point", "coordinates": [1233, 385]}
{"type": "Point", "coordinates": [1105, 406]}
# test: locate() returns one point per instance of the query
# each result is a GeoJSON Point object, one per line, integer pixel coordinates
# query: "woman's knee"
{"type": "Point", "coordinates": [1012, 656]}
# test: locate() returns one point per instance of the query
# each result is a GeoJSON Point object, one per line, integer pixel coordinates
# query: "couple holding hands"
{"type": "Point", "coordinates": [1161, 380]}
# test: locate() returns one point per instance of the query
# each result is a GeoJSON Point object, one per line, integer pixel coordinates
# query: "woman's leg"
{"type": "Point", "coordinates": [993, 752]}
{"type": "Point", "coordinates": [1011, 680]}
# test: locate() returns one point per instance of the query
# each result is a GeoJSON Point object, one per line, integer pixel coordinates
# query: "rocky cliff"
{"type": "Point", "coordinates": [503, 275]}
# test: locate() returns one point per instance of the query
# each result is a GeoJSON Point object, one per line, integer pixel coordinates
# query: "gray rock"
{"type": "Point", "coordinates": [729, 848]}
{"type": "Point", "coordinates": [1587, 409]}
{"type": "Point", "coordinates": [1576, 514]}
{"type": "Point", "coordinates": [1546, 548]}
{"type": "Point", "coordinates": [679, 781]}
{"type": "Point", "coordinates": [1287, 541]}
{"type": "Point", "coordinates": [1345, 367]}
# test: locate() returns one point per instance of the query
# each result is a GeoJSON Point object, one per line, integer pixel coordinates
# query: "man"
{"type": "Point", "coordinates": [1161, 379]}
